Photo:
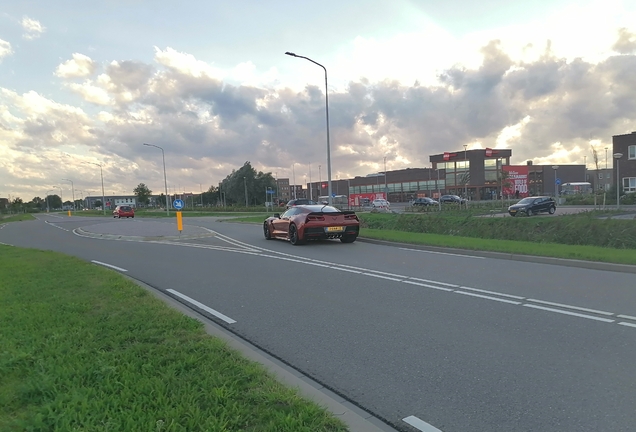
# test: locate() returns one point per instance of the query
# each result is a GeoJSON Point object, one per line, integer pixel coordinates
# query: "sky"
{"type": "Point", "coordinates": [85, 83]}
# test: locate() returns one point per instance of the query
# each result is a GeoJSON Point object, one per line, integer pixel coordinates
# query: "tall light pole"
{"type": "Point", "coordinates": [245, 183]}
{"type": "Point", "coordinates": [101, 173]}
{"type": "Point", "coordinates": [61, 200]}
{"type": "Point", "coordinates": [165, 181]}
{"type": "Point", "coordinates": [81, 194]}
{"type": "Point", "coordinates": [294, 177]}
{"type": "Point", "coordinates": [584, 168]}
{"type": "Point", "coordinates": [319, 180]}
{"type": "Point", "coordinates": [606, 157]}
{"type": "Point", "coordinates": [556, 186]}
{"type": "Point", "coordinates": [327, 116]}
{"type": "Point", "coordinates": [47, 200]}
{"type": "Point", "coordinates": [201, 190]}
{"type": "Point", "coordinates": [72, 190]}
{"type": "Point", "coordinates": [465, 173]}
{"type": "Point", "coordinates": [311, 195]}
{"type": "Point", "coordinates": [386, 189]}
{"type": "Point", "coordinates": [618, 156]}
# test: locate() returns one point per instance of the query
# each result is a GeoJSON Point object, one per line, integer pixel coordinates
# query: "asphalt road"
{"type": "Point", "coordinates": [463, 343]}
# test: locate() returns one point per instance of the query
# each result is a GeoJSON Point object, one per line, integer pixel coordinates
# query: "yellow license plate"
{"type": "Point", "coordinates": [335, 229]}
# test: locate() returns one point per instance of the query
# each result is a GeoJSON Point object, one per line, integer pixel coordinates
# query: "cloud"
{"type": "Point", "coordinates": [5, 49]}
{"type": "Point", "coordinates": [80, 66]}
{"type": "Point", "coordinates": [546, 108]}
{"type": "Point", "coordinates": [32, 28]}
{"type": "Point", "coordinates": [626, 43]}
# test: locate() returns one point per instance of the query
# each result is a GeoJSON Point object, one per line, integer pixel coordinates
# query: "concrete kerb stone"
{"type": "Point", "coordinates": [85, 233]}
{"type": "Point", "coordinates": [356, 419]}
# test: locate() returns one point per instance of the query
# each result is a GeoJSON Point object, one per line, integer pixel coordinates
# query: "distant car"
{"type": "Point", "coordinates": [451, 199]}
{"type": "Point", "coordinates": [123, 211]}
{"type": "Point", "coordinates": [381, 204]}
{"type": "Point", "coordinates": [312, 222]}
{"type": "Point", "coordinates": [533, 205]}
{"type": "Point", "coordinates": [300, 201]}
{"type": "Point", "coordinates": [425, 201]}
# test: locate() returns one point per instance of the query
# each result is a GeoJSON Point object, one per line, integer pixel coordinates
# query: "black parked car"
{"type": "Point", "coordinates": [424, 202]}
{"type": "Point", "coordinates": [451, 199]}
{"type": "Point", "coordinates": [533, 205]}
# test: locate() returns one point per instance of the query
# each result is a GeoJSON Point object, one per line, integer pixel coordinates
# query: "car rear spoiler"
{"type": "Point", "coordinates": [341, 212]}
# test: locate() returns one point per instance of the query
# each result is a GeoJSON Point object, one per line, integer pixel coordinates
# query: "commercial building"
{"type": "Point", "coordinates": [625, 165]}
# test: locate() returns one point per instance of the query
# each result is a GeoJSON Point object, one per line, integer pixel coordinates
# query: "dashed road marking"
{"type": "Point", "coordinates": [109, 266]}
{"type": "Point", "coordinates": [607, 320]}
{"type": "Point", "coordinates": [420, 424]}
{"type": "Point", "coordinates": [488, 297]}
{"type": "Point", "coordinates": [570, 307]}
{"type": "Point", "coordinates": [200, 305]}
{"type": "Point", "coordinates": [442, 253]}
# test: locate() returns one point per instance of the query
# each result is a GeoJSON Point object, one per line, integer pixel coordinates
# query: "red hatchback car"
{"type": "Point", "coordinates": [123, 211]}
{"type": "Point", "coordinates": [312, 222]}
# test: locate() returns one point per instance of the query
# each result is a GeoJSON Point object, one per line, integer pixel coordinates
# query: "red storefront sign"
{"type": "Point", "coordinates": [517, 180]}
{"type": "Point", "coordinates": [448, 155]}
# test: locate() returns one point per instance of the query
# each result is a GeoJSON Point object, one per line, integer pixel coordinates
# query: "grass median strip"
{"type": "Point", "coordinates": [84, 348]}
{"type": "Point", "coordinates": [17, 218]}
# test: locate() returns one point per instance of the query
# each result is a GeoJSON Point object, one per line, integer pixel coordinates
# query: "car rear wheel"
{"type": "Point", "coordinates": [349, 239]}
{"type": "Point", "coordinates": [552, 210]}
{"type": "Point", "coordinates": [529, 212]}
{"type": "Point", "coordinates": [266, 232]}
{"type": "Point", "coordinates": [294, 239]}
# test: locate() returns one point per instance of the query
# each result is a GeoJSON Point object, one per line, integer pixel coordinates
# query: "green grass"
{"type": "Point", "coordinates": [544, 236]}
{"type": "Point", "coordinates": [84, 349]}
{"type": "Point", "coordinates": [17, 218]}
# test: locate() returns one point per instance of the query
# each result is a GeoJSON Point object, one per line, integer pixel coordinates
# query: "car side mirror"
{"type": "Point", "coordinates": [277, 215]}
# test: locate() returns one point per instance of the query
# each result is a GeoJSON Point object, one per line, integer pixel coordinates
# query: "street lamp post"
{"type": "Point", "coordinates": [311, 195]}
{"type": "Point", "coordinates": [245, 183]}
{"type": "Point", "coordinates": [61, 199]}
{"type": "Point", "coordinates": [101, 173]}
{"type": "Point", "coordinates": [584, 168]}
{"type": "Point", "coordinates": [48, 209]}
{"type": "Point", "coordinates": [465, 174]}
{"type": "Point", "coordinates": [386, 189]}
{"type": "Point", "coordinates": [165, 181]}
{"type": "Point", "coordinates": [606, 157]}
{"type": "Point", "coordinates": [72, 191]}
{"type": "Point", "coordinates": [327, 116]}
{"type": "Point", "coordinates": [294, 177]}
{"type": "Point", "coordinates": [81, 194]}
{"type": "Point", "coordinates": [556, 186]}
{"type": "Point", "coordinates": [618, 156]}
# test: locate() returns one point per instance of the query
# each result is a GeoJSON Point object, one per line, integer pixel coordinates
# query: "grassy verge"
{"type": "Point", "coordinates": [85, 349]}
{"type": "Point", "coordinates": [554, 250]}
{"type": "Point", "coordinates": [17, 218]}
{"type": "Point", "coordinates": [474, 233]}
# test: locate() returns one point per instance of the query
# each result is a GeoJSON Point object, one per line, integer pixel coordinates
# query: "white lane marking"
{"type": "Point", "coordinates": [381, 277]}
{"type": "Point", "coordinates": [109, 265]}
{"type": "Point", "coordinates": [627, 317]}
{"type": "Point", "coordinates": [346, 270]}
{"type": "Point", "coordinates": [200, 305]}
{"type": "Point", "coordinates": [316, 264]}
{"type": "Point", "coordinates": [53, 225]}
{"type": "Point", "coordinates": [488, 297]}
{"type": "Point", "coordinates": [369, 270]}
{"type": "Point", "coordinates": [627, 324]}
{"type": "Point", "coordinates": [2, 225]}
{"type": "Point", "coordinates": [492, 292]}
{"type": "Point", "coordinates": [420, 424]}
{"type": "Point", "coordinates": [435, 282]}
{"type": "Point", "coordinates": [442, 253]}
{"type": "Point", "coordinates": [426, 285]}
{"type": "Point", "coordinates": [568, 313]}
{"type": "Point", "coordinates": [570, 307]}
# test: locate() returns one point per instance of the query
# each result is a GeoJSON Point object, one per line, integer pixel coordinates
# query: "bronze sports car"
{"type": "Point", "coordinates": [312, 222]}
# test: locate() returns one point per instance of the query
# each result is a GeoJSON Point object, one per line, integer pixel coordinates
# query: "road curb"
{"type": "Point", "coordinates": [83, 233]}
{"type": "Point", "coordinates": [354, 417]}
{"type": "Point", "coordinates": [592, 265]}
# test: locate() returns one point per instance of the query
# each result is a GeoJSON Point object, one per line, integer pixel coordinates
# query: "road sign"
{"type": "Point", "coordinates": [269, 191]}
{"type": "Point", "coordinates": [333, 195]}
{"type": "Point", "coordinates": [558, 181]}
{"type": "Point", "coordinates": [178, 204]}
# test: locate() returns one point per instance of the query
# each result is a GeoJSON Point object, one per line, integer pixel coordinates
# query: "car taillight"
{"type": "Point", "coordinates": [351, 217]}
{"type": "Point", "coordinates": [314, 218]}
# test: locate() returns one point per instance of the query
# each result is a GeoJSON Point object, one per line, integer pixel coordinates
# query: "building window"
{"type": "Point", "coordinates": [607, 175]}
{"type": "Point", "coordinates": [629, 184]}
{"type": "Point", "coordinates": [600, 176]}
{"type": "Point", "coordinates": [631, 152]}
